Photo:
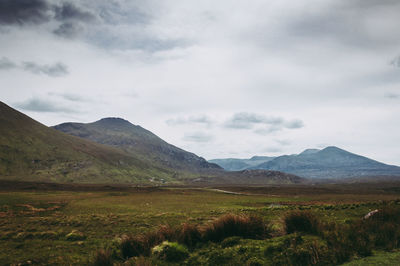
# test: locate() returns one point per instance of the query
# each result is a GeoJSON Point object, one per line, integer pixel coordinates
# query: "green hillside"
{"type": "Point", "coordinates": [32, 151]}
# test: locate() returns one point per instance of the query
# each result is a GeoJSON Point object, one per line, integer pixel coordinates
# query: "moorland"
{"type": "Point", "coordinates": [55, 224]}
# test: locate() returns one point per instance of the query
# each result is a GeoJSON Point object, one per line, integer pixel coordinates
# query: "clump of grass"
{"type": "Point", "coordinates": [301, 221]}
{"type": "Point", "coordinates": [171, 251]}
{"type": "Point", "coordinates": [190, 235]}
{"type": "Point", "coordinates": [103, 257]}
{"type": "Point", "coordinates": [133, 246]}
{"type": "Point", "coordinates": [236, 225]}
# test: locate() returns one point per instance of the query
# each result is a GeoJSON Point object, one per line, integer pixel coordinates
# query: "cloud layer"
{"type": "Point", "coordinates": [52, 70]}
{"type": "Point", "coordinates": [263, 78]}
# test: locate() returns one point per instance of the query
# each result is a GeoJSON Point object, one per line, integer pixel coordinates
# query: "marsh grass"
{"type": "Point", "coordinates": [301, 221]}
{"type": "Point", "coordinates": [103, 257]}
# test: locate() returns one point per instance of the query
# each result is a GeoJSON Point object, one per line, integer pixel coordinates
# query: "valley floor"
{"type": "Point", "coordinates": [59, 225]}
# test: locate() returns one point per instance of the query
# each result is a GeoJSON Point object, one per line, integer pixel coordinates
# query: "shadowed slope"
{"type": "Point", "coordinates": [140, 142]}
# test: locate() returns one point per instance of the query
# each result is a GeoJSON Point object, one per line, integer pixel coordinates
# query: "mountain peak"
{"type": "Point", "coordinates": [333, 149]}
{"type": "Point", "coordinates": [113, 121]}
{"type": "Point", "coordinates": [310, 151]}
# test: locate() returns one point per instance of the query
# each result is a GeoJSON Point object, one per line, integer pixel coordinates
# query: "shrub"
{"type": "Point", "coordinates": [236, 225]}
{"type": "Point", "coordinates": [135, 246]}
{"type": "Point", "coordinates": [301, 221]}
{"type": "Point", "coordinates": [103, 257]}
{"type": "Point", "coordinates": [171, 251]}
{"type": "Point", "coordinates": [190, 235]}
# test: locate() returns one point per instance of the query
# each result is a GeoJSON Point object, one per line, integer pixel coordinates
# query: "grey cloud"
{"type": "Point", "coordinates": [119, 26]}
{"type": "Point", "coordinates": [267, 130]}
{"type": "Point", "coordinates": [110, 38]}
{"type": "Point", "coordinates": [200, 119]}
{"type": "Point", "coordinates": [296, 123]}
{"type": "Point", "coordinates": [70, 97]}
{"type": "Point", "coordinates": [282, 142]}
{"type": "Point", "coordinates": [6, 63]}
{"type": "Point", "coordinates": [396, 62]}
{"type": "Point", "coordinates": [25, 12]}
{"type": "Point", "coordinates": [55, 70]}
{"type": "Point", "coordinates": [352, 23]}
{"type": "Point", "coordinates": [40, 105]}
{"type": "Point", "coordinates": [391, 95]}
{"type": "Point", "coordinates": [112, 12]}
{"type": "Point", "coordinates": [68, 30]}
{"type": "Point", "coordinates": [22, 12]}
{"type": "Point", "coordinates": [263, 124]}
{"type": "Point", "coordinates": [198, 137]}
{"type": "Point", "coordinates": [248, 120]}
{"type": "Point", "coordinates": [68, 11]}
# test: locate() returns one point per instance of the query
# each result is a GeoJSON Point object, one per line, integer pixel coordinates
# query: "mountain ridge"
{"type": "Point", "coordinates": [330, 162]}
{"type": "Point", "coordinates": [138, 141]}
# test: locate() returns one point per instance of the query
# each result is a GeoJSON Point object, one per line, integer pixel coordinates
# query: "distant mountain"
{"type": "Point", "coordinates": [330, 162]}
{"type": "Point", "coordinates": [139, 142]}
{"type": "Point", "coordinates": [232, 164]}
{"type": "Point", "coordinates": [30, 151]}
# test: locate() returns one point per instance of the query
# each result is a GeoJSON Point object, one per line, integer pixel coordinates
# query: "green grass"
{"type": "Point", "coordinates": [34, 225]}
{"type": "Point", "coordinates": [378, 258]}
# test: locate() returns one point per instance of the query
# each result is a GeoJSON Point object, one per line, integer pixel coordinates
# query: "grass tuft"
{"type": "Point", "coordinates": [236, 225]}
{"type": "Point", "coordinates": [103, 257]}
{"type": "Point", "coordinates": [301, 221]}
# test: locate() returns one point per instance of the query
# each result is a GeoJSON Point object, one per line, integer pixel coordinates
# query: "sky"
{"type": "Point", "coordinates": [227, 78]}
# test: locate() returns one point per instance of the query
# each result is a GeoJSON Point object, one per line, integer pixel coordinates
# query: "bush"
{"type": "Point", "coordinates": [236, 225]}
{"type": "Point", "coordinates": [171, 251]}
{"type": "Point", "coordinates": [103, 257]}
{"type": "Point", "coordinates": [301, 221]}
{"type": "Point", "coordinates": [190, 235]}
{"type": "Point", "coordinates": [135, 246]}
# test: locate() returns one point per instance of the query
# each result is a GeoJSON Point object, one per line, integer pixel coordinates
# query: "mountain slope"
{"type": "Point", "coordinates": [32, 151]}
{"type": "Point", "coordinates": [139, 142]}
{"type": "Point", "coordinates": [232, 164]}
{"type": "Point", "coordinates": [330, 162]}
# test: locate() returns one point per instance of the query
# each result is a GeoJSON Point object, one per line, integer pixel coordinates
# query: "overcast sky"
{"type": "Point", "coordinates": [223, 78]}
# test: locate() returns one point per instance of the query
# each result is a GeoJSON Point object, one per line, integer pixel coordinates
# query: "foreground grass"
{"type": "Point", "coordinates": [66, 227]}
{"type": "Point", "coordinates": [378, 258]}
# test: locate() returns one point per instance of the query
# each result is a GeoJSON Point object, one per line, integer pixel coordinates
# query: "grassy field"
{"type": "Point", "coordinates": [62, 227]}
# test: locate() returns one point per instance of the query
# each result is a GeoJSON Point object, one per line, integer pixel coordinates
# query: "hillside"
{"type": "Point", "coordinates": [139, 142]}
{"type": "Point", "coordinates": [233, 164]}
{"type": "Point", "coordinates": [330, 162]}
{"type": "Point", "coordinates": [32, 151]}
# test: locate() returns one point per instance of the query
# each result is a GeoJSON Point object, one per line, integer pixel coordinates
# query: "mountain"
{"type": "Point", "coordinates": [140, 143]}
{"type": "Point", "coordinates": [232, 164]}
{"type": "Point", "coordinates": [32, 151]}
{"type": "Point", "coordinates": [331, 162]}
